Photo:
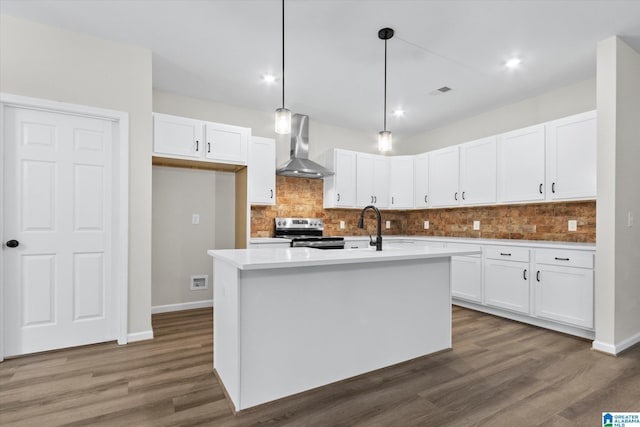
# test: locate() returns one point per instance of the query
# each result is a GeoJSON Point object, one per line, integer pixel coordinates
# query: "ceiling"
{"type": "Point", "coordinates": [219, 50]}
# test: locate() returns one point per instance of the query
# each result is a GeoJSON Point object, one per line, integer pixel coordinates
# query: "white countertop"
{"type": "Point", "coordinates": [259, 240]}
{"type": "Point", "coordinates": [258, 259]}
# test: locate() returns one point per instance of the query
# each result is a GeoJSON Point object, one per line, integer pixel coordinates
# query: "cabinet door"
{"type": "Point", "coordinates": [177, 136]}
{"type": "Point", "coordinates": [381, 181]}
{"type": "Point", "coordinates": [521, 165]}
{"type": "Point", "coordinates": [340, 188]}
{"type": "Point", "coordinates": [478, 172]}
{"type": "Point", "coordinates": [262, 171]}
{"type": "Point", "coordinates": [466, 278]}
{"type": "Point", "coordinates": [506, 285]}
{"type": "Point", "coordinates": [421, 168]}
{"type": "Point", "coordinates": [571, 157]}
{"type": "Point", "coordinates": [443, 177]}
{"type": "Point", "coordinates": [564, 294]}
{"type": "Point", "coordinates": [226, 143]}
{"type": "Point", "coordinates": [364, 179]}
{"type": "Point", "coordinates": [401, 182]}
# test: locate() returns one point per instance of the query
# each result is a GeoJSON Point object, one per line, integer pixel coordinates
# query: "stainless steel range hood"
{"type": "Point", "coordinates": [299, 165]}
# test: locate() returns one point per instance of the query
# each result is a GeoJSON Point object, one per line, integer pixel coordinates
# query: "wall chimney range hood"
{"type": "Point", "coordinates": [299, 165]}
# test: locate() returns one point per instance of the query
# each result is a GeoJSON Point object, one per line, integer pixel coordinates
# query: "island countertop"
{"type": "Point", "coordinates": [260, 259]}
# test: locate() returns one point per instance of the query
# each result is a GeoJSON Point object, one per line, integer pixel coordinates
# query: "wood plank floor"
{"type": "Point", "coordinates": [500, 373]}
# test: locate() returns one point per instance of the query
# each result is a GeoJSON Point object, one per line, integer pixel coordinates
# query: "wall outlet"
{"type": "Point", "coordinates": [573, 225]}
{"type": "Point", "coordinates": [426, 225]}
{"type": "Point", "coordinates": [199, 282]}
{"type": "Point", "coordinates": [341, 225]}
{"type": "Point", "coordinates": [476, 225]}
{"type": "Point", "coordinates": [195, 219]}
{"type": "Point", "coordinates": [388, 224]}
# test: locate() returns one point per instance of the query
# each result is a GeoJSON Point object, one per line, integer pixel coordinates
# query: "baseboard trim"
{"type": "Point", "coordinates": [616, 349]}
{"type": "Point", "coordinates": [182, 306]}
{"type": "Point", "coordinates": [604, 348]}
{"type": "Point", "coordinates": [140, 336]}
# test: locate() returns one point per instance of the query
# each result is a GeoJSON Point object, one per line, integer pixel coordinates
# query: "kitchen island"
{"type": "Point", "coordinates": [288, 320]}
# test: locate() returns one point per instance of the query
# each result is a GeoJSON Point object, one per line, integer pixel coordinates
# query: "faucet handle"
{"type": "Point", "coordinates": [371, 241]}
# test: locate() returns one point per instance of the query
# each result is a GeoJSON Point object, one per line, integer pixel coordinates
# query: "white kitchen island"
{"type": "Point", "coordinates": [288, 320]}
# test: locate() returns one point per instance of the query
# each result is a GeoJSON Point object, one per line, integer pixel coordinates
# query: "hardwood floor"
{"type": "Point", "coordinates": [500, 372]}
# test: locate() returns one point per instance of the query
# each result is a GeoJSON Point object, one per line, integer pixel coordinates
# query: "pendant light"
{"type": "Point", "coordinates": [385, 142]}
{"type": "Point", "coordinates": [283, 116]}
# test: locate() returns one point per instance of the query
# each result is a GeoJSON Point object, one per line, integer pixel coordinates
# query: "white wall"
{"type": "Point", "coordinates": [46, 62]}
{"type": "Point", "coordinates": [618, 245]}
{"type": "Point", "coordinates": [321, 135]}
{"type": "Point", "coordinates": [180, 247]}
{"type": "Point", "coordinates": [574, 99]}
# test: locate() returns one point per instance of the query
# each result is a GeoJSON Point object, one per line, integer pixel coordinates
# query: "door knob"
{"type": "Point", "coordinates": [13, 243]}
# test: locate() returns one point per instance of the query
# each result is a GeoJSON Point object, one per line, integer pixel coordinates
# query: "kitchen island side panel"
{"type": "Point", "coordinates": [310, 326]}
{"type": "Point", "coordinates": [226, 327]}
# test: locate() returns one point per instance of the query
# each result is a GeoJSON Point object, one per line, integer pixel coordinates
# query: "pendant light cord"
{"type": "Point", "coordinates": [385, 85]}
{"type": "Point", "coordinates": [282, 53]}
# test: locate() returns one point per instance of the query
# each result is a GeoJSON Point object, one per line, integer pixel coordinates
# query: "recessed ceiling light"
{"type": "Point", "coordinates": [398, 113]}
{"type": "Point", "coordinates": [513, 63]}
{"type": "Point", "coordinates": [269, 78]}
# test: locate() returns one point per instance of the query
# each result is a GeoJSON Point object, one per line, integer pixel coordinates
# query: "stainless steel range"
{"type": "Point", "coordinates": [306, 233]}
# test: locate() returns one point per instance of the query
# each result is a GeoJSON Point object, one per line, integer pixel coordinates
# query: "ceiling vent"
{"type": "Point", "coordinates": [443, 89]}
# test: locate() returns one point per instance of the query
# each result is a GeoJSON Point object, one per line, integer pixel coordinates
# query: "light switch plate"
{"type": "Point", "coordinates": [426, 225]}
{"type": "Point", "coordinates": [573, 225]}
{"type": "Point", "coordinates": [341, 225]}
{"type": "Point", "coordinates": [388, 224]}
{"type": "Point", "coordinates": [476, 225]}
{"type": "Point", "coordinates": [195, 219]}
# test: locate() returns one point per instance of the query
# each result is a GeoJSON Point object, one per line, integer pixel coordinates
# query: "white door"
{"type": "Point", "coordinates": [57, 197]}
{"type": "Point", "coordinates": [444, 177]}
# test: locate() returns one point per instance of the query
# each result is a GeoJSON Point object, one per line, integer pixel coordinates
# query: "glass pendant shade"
{"type": "Point", "coordinates": [385, 142]}
{"type": "Point", "coordinates": [283, 121]}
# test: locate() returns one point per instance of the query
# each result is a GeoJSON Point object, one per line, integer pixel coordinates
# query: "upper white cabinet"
{"type": "Point", "coordinates": [262, 171]}
{"type": "Point", "coordinates": [521, 169]}
{"type": "Point", "coordinates": [443, 177]}
{"type": "Point", "coordinates": [478, 173]}
{"type": "Point", "coordinates": [401, 182]}
{"type": "Point", "coordinates": [372, 180]}
{"type": "Point", "coordinates": [421, 180]}
{"type": "Point", "coordinates": [571, 145]}
{"type": "Point", "coordinates": [186, 138]}
{"type": "Point", "coordinates": [226, 143]}
{"type": "Point", "coordinates": [177, 136]}
{"type": "Point", "coordinates": [340, 188]}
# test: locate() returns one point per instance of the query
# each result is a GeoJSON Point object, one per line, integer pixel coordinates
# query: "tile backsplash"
{"type": "Point", "coordinates": [302, 197]}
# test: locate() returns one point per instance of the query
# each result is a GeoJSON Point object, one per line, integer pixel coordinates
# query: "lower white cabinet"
{"type": "Point", "coordinates": [563, 292]}
{"type": "Point", "coordinates": [507, 285]}
{"type": "Point", "coordinates": [466, 277]}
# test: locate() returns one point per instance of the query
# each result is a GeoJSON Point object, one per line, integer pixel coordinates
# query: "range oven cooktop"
{"type": "Point", "coordinates": [306, 233]}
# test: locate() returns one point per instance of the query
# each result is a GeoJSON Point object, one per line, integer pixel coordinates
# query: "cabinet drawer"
{"type": "Point", "coordinates": [508, 253]}
{"type": "Point", "coordinates": [564, 258]}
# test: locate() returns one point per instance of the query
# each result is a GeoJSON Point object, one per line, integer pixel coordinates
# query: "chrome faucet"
{"type": "Point", "coordinates": [378, 242]}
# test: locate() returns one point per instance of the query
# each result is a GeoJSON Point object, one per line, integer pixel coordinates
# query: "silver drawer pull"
{"type": "Point", "coordinates": [562, 259]}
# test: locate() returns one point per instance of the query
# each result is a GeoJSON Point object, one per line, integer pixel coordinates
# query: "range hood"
{"type": "Point", "coordinates": [299, 165]}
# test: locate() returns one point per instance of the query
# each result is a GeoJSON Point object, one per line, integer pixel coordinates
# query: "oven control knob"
{"type": "Point", "coordinates": [279, 223]}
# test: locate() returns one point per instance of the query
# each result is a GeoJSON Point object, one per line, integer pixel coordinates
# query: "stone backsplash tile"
{"type": "Point", "coordinates": [302, 197]}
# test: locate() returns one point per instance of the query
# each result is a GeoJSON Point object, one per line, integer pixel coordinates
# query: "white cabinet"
{"type": "Point", "coordinates": [506, 278]}
{"type": "Point", "coordinates": [401, 182]}
{"type": "Point", "coordinates": [521, 169]}
{"type": "Point", "coordinates": [372, 180]}
{"type": "Point", "coordinates": [571, 145]}
{"type": "Point", "coordinates": [185, 138]}
{"type": "Point", "coordinates": [563, 287]}
{"type": "Point", "coordinates": [478, 172]}
{"type": "Point", "coordinates": [421, 180]}
{"type": "Point", "coordinates": [443, 177]}
{"type": "Point", "coordinates": [340, 188]}
{"type": "Point", "coordinates": [466, 277]}
{"type": "Point", "coordinates": [357, 243]}
{"type": "Point", "coordinates": [262, 171]}
{"type": "Point", "coordinates": [226, 143]}
{"type": "Point", "coordinates": [177, 136]}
